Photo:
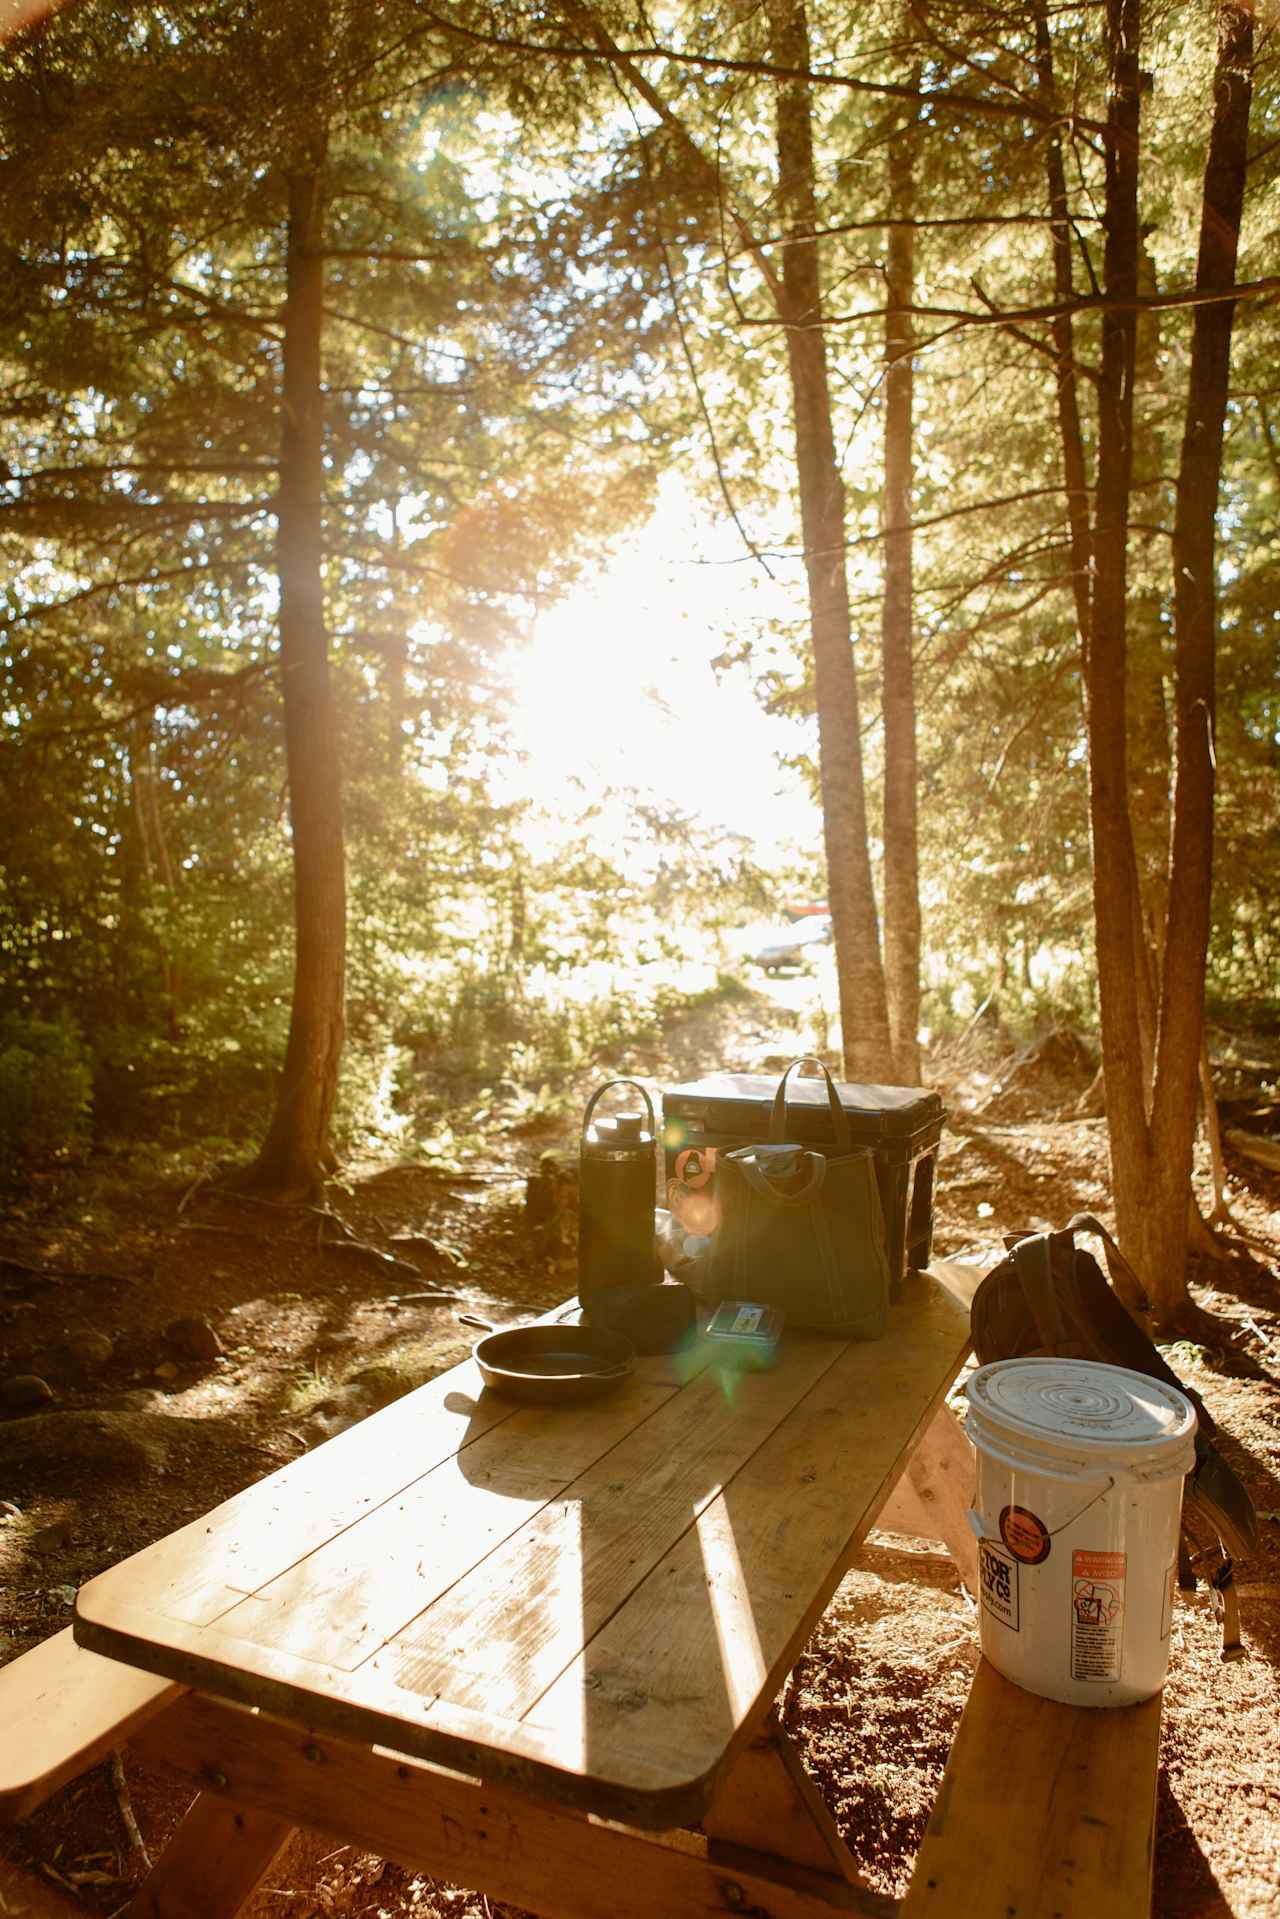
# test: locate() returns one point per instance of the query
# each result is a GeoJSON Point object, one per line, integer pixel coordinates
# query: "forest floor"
{"type": "Point", "coordinates": [309, 1332]}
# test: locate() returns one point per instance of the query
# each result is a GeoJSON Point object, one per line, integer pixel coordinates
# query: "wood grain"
{"type": "Point", "coordinates": [623, 1644]}
{"type": "Point", "coordinates": [203, 1569]}
{"type": "Point", "coordinates": [62, 1708]}
{"type": "Point", "coordinates": [769, 1802]}
{"type": "Point", "coordinates": [509, 1629]}
{"type": "Point", "coordinates": [682, 1674]}
{"type": "Point", "coordinates": [517, 1849]}
{"type": "Point", "coordinates": [940, 1479]}
{"type": "Point", "coordinates": [341, 1602]}
{"type": "Point", "coordinates": [1044, 1810]}
{"type": "Point", "coordinates": [214, 1863]}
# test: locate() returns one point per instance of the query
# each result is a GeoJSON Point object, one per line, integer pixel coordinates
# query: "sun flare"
{"type": "Point", "coordinates": [616, 689]}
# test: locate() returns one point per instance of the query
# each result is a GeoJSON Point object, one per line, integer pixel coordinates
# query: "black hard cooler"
{"type": "Point", "coordinates": [900, 1124]}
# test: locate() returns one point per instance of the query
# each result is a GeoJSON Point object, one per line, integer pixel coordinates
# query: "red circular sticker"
{"type": "Point", "coordinates": [1026, 1536]}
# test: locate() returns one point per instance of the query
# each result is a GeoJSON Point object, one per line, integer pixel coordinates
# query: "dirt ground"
{"type": "Point", "coordinates": [149, 1424]}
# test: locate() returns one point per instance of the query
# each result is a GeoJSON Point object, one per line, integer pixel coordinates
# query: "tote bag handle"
{"type": "Point", "coordinates": [839, 1118]}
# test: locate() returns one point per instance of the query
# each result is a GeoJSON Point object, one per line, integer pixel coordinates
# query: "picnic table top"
{"type": "Point", "coordinates": [593, 1602]}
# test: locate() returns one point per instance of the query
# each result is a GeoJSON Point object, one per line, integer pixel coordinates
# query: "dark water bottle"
{"type": "Point", "coordinates": [617, 1188]}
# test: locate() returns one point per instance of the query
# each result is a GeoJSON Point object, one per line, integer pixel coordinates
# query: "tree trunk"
{"type": "Point", "coordinates": [1154, 1237]}
{"type": "Point", "coordinates": [1173, 1119]}
{"type": "Point", "coordinates": [1074, 473]}
{"type": "Point", "coordinates": [901, 842]}
{"type": "Point", "coordinates": [864, 1018]}
{"type": "Point", "coordinates": [1076, 487]}
{"type": "Point", "coordinates": [1150, 747]}
{"type": "Point", "coordinates": [1148, 762]}
{"type": "Point", "coordinates": [296, 1154]}
{"type": "Point", "coordinates": [1151, 1118]}
{"type": "Point", "coordinates": [161, 875]}
{"type": "Point", "coordinates": [133, 880]}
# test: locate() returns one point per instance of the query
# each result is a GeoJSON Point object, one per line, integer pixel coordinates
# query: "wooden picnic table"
{"type": "Point", "coordinates": [534, 1650]}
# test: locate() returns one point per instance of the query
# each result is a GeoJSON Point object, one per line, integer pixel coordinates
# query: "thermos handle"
{"type": "Point", "coordinates": [591, 1103]}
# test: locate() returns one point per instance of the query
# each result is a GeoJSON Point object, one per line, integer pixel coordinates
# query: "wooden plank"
{"type": "Point", "coordinates": [206, 1569]}
{"type": "Point", "coordinates": [903, 1512]}
{"type": "Point", "coordinates": [679, 1678]}
{"type": "Point", "coordinates": [1045, 1811]}
{"type": "Point", "coordinates": [769, 1802]}
{"type": "Point", "coordinates": [941, 1475]}
{"type": "Point", "coordinates": [340, 1603]}
{"type": "Point", "coordinates": [214, 1863]}
{"type": "Point", "coordinates": [62, 1709]}
{"type": "Point", "coordinates": [501, 1636]}
{"type": "Point", "coordinates": [527, 1854]}
{"type": "Point", "coordinates": [366, 1705]}
{"type": "Point", "coordinates": [198, 1572]}
{"type": "Point", "coordinates": [645, 1725]}
{"type": "Point", "coordinates": [958, 1279]}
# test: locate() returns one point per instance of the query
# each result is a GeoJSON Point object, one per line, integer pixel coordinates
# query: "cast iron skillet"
{"type": "Point", "coordinates": [549, 1364]}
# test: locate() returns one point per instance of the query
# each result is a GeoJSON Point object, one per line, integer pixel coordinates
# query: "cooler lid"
{"type": "Point", "coordinates": [882, 1109]}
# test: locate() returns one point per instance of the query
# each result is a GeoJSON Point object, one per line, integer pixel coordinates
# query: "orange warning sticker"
{"type": "Point", "coordinates": [1087, 1565]}
{"type": "Point", "coordinates": [1097, 1614]}
{"type": "Point", "coordinates": [1025, 1534]}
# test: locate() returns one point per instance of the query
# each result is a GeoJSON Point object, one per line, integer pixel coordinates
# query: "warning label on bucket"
{"type": "Point", "coordinates": [998, 1574]}
{"type": "Point", "coordinates": [1097, 1614]}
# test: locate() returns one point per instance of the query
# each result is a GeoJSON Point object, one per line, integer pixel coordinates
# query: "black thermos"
{"type": "Point", "coordinates": [617, 1193]}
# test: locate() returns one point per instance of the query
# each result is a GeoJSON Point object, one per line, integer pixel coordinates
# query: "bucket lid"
{"type": "Point", "coordinates": [1083, 1409]}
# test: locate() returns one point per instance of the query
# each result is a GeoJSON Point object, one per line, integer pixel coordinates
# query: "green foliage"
{"type": "Point", "coordinates": [536, 1029]}
{"type": "Point", "coordinates": [536, 300]}
{"type": "Point", "coordinates": [46, 1087]}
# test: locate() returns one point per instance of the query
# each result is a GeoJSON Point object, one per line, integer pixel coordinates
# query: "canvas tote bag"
{"type": "Point", "coordinates": [802, 1230]}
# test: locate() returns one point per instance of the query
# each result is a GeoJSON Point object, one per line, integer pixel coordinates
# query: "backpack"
{"type": "Point", "coordinates": [1049, 1297]}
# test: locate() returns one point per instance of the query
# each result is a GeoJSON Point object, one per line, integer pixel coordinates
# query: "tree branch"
{"type": "Point", "coordinates": [764, 69]}
{"type": "Point", "coordinates": [1056, 309]}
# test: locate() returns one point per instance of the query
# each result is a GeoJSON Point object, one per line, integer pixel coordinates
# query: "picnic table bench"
{"type": "Point", "coordinates": [534, 1651]}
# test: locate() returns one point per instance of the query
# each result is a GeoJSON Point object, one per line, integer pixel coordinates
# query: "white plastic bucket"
{"type": "Point", "coordinates": [1077, 1508]}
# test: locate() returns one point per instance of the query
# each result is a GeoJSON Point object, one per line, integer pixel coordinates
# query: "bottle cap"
{"type": "Point", "coordinates": [629, 1125]}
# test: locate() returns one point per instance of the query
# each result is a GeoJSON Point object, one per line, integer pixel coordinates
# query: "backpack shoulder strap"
{"type": "Point", "coordinates": [1001, 1325]}
{"type": "Point", "coordinates": [1215, 1490]}
{"type": "Point", "coordinates": [1061, 1317]}
{"type": "Point", "coordinates": [1116, 1261]}
{"type": "Point", "coordinates": [1119, 1339]}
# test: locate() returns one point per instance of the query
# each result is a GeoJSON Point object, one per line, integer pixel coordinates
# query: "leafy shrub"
{"type": "Point", "coordinates": [146, 1084]}
{"type": "Point", "coordinates": [46, 1086]}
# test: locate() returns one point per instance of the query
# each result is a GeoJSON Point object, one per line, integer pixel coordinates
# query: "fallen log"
{"type": "Point", "coordinates": [1263, 1152]}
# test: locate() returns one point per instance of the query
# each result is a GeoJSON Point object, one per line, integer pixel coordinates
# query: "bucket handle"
{"type": "Point", "coordinates": [978, 1524]}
